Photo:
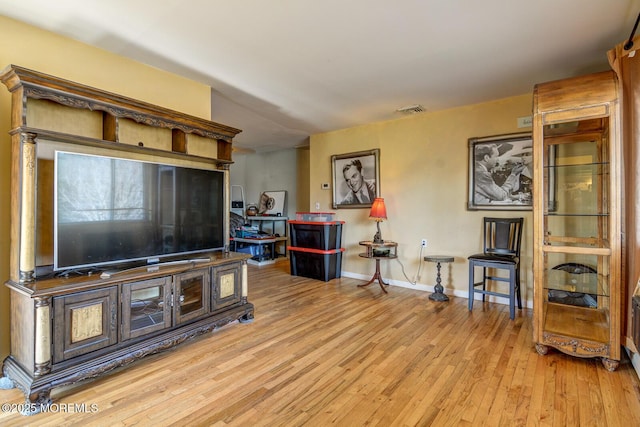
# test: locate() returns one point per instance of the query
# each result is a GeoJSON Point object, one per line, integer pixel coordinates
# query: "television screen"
{"type": "Point", "coordinates": [111, 210]}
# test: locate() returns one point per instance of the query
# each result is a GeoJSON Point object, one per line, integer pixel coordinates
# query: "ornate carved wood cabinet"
{"type": "Point", "coordinates": [73, 326]}
{"type": "Point", "coordinates": [576, 209]}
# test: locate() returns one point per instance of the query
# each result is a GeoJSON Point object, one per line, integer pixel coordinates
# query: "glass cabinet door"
{"type": "Point", "coordinates": [146, 307]}
{"type": "Point", "coordinates": [576, 185]}
{"type": "Point", "coordinates": [576, 249]}
{"type": "Point", "coordinates": [191, 295]}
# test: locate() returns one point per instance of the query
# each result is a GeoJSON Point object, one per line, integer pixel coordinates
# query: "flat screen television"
{"type": "Point", "coordinates": [110, 211]}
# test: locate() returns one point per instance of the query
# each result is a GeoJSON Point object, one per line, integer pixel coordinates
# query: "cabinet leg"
{"type": "Point", "coordinates": [36, 402]}
{"type": "Point", "coordinates": [247, 318]}
{"type": "Point", "coordinates": [610, 364]}
{"type": "Point", "coordinates": [542, 349]}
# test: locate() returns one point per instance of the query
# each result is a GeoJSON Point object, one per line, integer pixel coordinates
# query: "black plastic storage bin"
{"type": "Point", "coordinates": [315, 263]}
{"type": "Point", "coordinates": [316, 235]}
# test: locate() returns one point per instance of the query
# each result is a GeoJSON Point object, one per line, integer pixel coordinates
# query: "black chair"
{"type": "Point", "coordinates": [502, 237]}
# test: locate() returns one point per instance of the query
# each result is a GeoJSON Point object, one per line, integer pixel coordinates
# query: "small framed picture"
{"type": "Point", "coordinates": [272, 203]}
{"type": "Point", "coordinates": [500, 172]}
{"type": "Point", "coordinates": [356, 179]}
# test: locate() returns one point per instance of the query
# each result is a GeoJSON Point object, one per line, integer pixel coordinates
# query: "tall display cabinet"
{"type": "Point", "coordinates": [576, 211]}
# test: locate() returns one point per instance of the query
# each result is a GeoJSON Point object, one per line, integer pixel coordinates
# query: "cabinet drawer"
{"type": "Point", "coordinates": [84, 322]}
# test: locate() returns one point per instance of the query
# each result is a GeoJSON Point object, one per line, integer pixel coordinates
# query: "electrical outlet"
{"type": "Point", "coordinates": [424, 243]}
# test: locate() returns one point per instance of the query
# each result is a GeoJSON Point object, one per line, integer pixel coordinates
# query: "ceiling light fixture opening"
{"type": "Point", "coordinates": [411, 109]}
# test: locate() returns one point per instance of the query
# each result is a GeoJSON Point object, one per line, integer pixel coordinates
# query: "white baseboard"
{"type": "Point", "coordinates": [430, 288]}
{"type": "Point", "coordinates": [261, 263]}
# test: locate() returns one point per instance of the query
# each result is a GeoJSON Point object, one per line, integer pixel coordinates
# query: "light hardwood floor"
{"type": "Point", "coordinates": [330, 353]}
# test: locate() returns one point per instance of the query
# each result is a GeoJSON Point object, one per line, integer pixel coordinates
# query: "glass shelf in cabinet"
{"type": "Point", "coordinates": [578, 214]}
{"type": "Point", "coordinates": [576, 274]}
{"type": "Point", "coordinates": [583, 165]}
{"type": "Point", "coordinates": [586, 283]}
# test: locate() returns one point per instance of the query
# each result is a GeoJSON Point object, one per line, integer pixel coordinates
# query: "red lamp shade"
{"type": "Point", "coordinates": [378, 210]}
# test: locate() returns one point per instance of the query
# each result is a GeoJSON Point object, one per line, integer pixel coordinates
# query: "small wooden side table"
{"type": "Point", "coordinates": [378, 251]}
{"type": "Point", "coordinates": [438, 295]}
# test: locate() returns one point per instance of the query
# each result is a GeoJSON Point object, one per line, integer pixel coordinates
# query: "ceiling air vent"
{"type": "Point", "coordinates": [411, 109]}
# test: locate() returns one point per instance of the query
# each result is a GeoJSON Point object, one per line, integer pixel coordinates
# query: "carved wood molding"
{"type": "Point", "coordinates": [43, 86]}
{"type": "Point", "coordinates": [576, 347]}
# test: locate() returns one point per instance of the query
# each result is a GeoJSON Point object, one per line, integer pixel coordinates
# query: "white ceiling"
{"type": "Point", "coordinates": [284, 69]}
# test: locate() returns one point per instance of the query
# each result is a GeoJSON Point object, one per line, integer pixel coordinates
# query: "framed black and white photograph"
{"type": "Point", "coordinates": [356, 179]}
{"type": "Point", "coordinates": [500, 172]}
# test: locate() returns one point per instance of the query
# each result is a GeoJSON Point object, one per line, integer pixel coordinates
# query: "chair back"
{"type": "Point", "coordinates": [502, 236]}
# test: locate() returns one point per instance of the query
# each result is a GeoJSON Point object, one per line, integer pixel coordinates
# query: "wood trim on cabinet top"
{"type": "Point", "coordinates": [44, 86]}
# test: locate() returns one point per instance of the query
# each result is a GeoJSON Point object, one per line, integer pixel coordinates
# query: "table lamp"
{"type": "Point", "coordinates": [379, 213]}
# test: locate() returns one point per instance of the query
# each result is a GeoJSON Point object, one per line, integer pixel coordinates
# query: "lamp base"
{"type": "Point", "coordinates": [377, 238]}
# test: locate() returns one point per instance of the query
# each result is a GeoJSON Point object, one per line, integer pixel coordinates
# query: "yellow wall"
{"type": "Point", "coordinates": [423, 159]}
{"type": "Point", "coordinates": [424, 180]}
{"type": "Point", "coordinates": [27, 46]}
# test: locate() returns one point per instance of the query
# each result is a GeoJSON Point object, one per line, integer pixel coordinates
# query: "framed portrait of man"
{"type": "Point", "coordinates": [500, 172]}
{"type": "Point", "coordinates": [356, 179]}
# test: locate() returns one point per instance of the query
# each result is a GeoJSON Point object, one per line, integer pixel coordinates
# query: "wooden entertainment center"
{"type": "Point", "coordinates": [68, 326]}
